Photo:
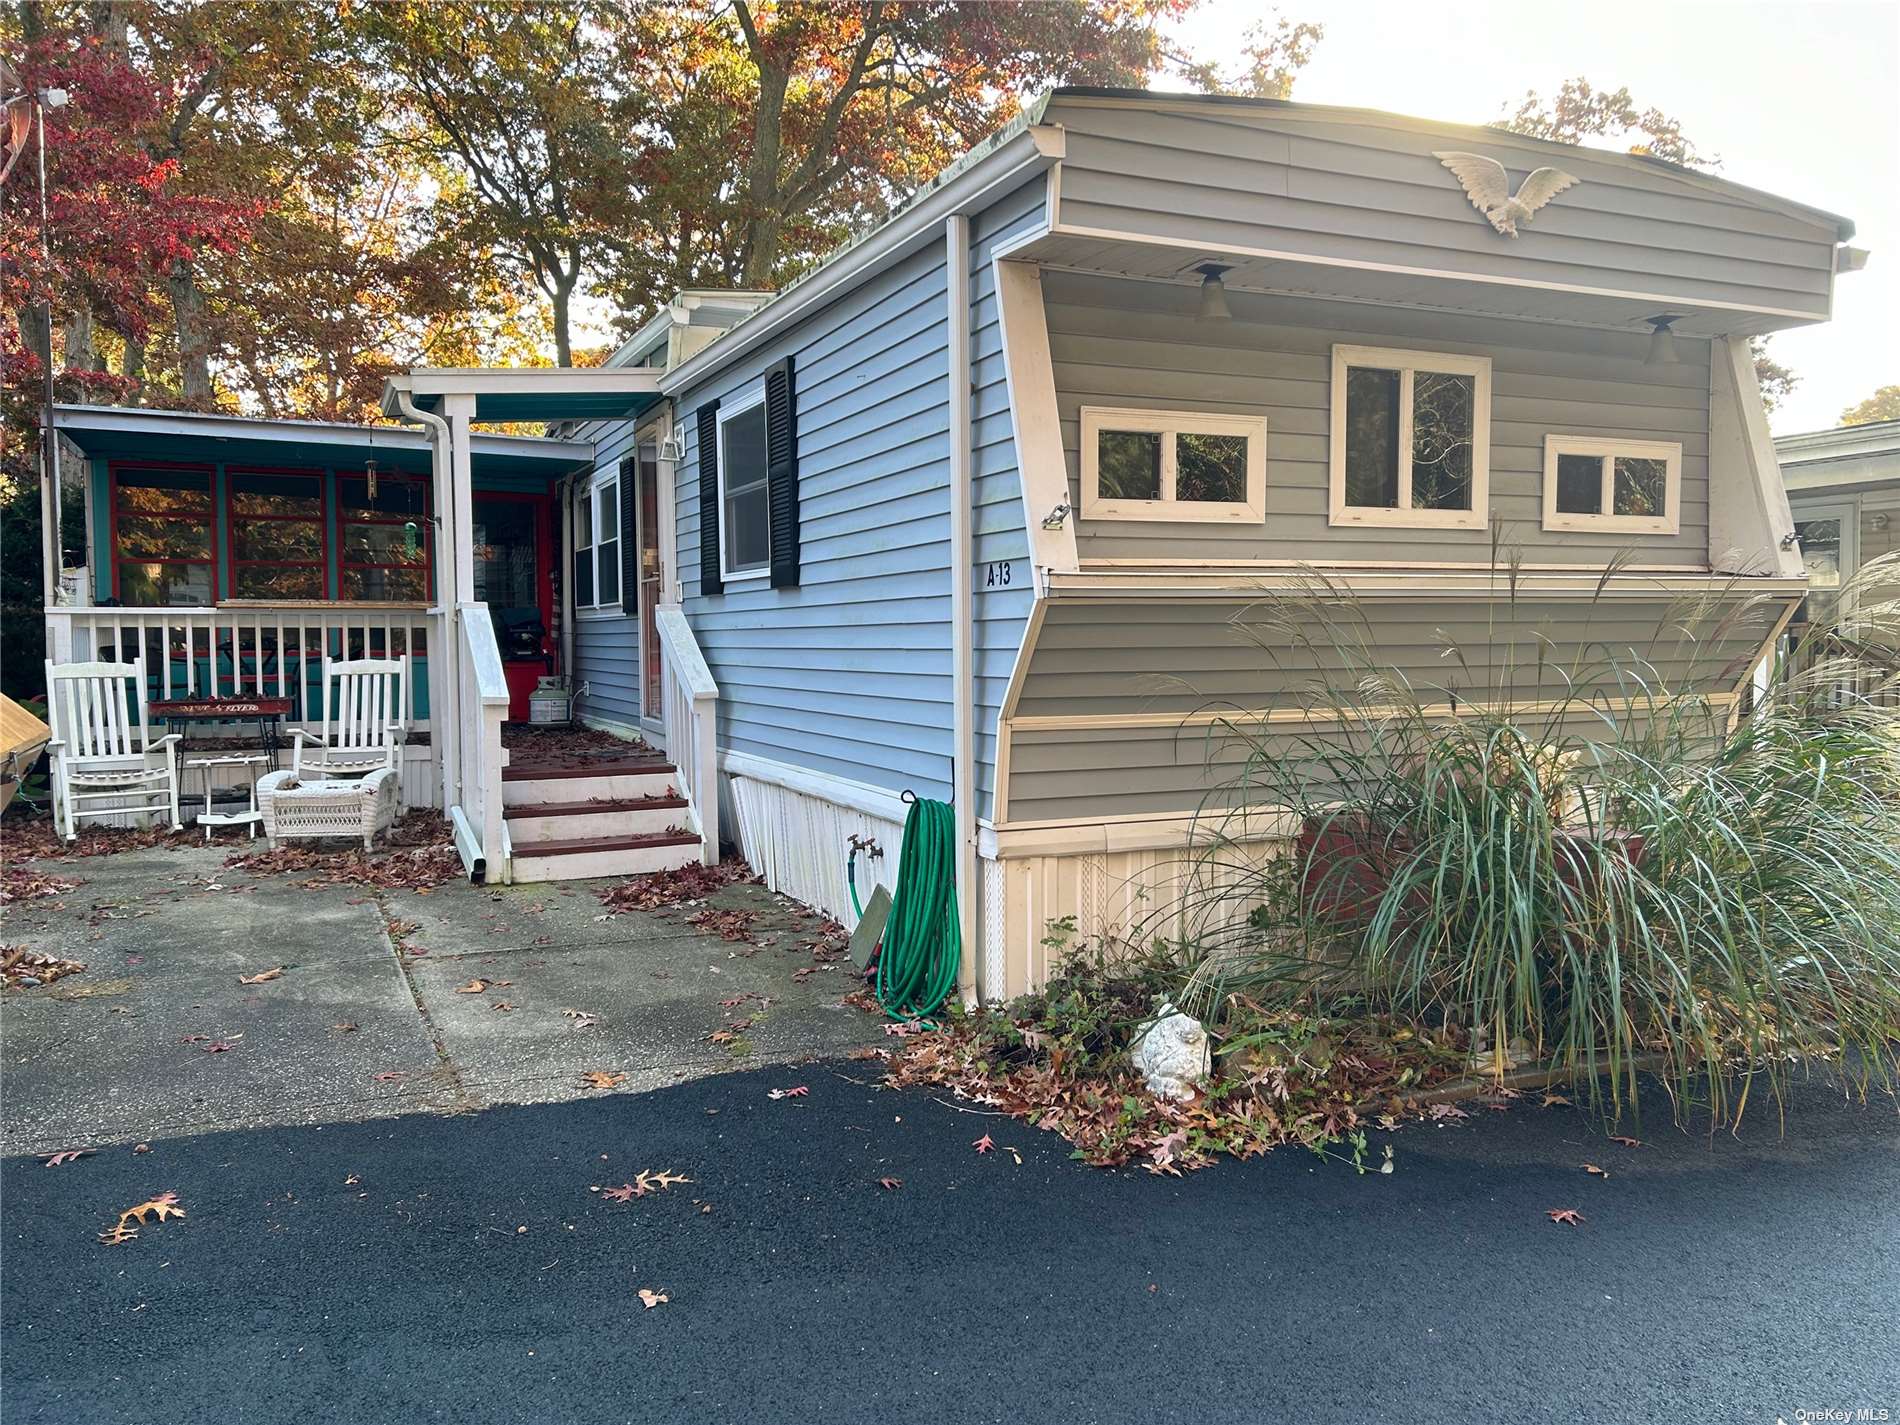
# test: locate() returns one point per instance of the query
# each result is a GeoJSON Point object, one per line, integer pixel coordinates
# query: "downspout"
{"type": "Point", "coordinates": [962, 666]}
{"type": "Point", "coordinates": [564, 522]}
{"type": "Point", "coordinates": [446, 684]}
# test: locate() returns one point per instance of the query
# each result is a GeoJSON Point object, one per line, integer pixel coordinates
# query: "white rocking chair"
{"type": "Point", "coordinates": [105, 760]}
{"type": "Point", "coordinates": [363, 730]}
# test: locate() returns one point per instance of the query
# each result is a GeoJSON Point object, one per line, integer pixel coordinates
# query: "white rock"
{"type": "Point", "coordinates": [1173, 1053]}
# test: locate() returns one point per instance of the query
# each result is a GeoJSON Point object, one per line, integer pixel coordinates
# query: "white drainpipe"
{"type": "Point", "coordinates": [962, 666]}
{"type": "Point", "coordinates": [445, 681]}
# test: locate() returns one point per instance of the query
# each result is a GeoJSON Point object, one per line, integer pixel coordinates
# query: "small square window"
{"type": "Point", "coordinates": [1172, 465]}
{"type": "Point", "coordinates": [1410, 438]}
{"type": "Point", "coordinates": [1612, 485]}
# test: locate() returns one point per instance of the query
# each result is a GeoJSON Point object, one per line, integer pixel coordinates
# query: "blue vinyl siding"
{"type": "Point", "coordinates": [607, 644]}
{"type": "Point", "coordinates": [850, 672]}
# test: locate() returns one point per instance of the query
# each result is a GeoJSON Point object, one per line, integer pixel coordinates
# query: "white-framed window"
{"type": "Point", "coordinates": [1613, 485]}
{"type": "Point", "coordinates": [1410, 440]}
{"type": "Point", "coordinates": [597, 543]}
{"type": "Point", "coordinates": [745, 507]}
{"type": "Point", "coordinates": [1173, 465]}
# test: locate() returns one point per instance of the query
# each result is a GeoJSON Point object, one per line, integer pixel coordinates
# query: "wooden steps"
{"type": "Point", "coordinates": [587, 817]}
{"type": "Point", "coordinates": [586, 857]}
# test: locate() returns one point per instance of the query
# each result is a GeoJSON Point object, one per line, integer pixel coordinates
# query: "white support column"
{"type": "Point", "coordinates": [962, 579]}
{"type": "Point", "coordinates": [459, 410]}
{"type": "Point", "coordinates": [445, 683]}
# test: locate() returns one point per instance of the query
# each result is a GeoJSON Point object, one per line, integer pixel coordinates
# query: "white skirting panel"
{"type": "Point", "coordinates": [798, 837]}
{"type": "Point", "coordinates": [1122, 885]}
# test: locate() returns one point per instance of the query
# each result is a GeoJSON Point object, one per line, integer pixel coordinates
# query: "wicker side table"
{"type": "Point", "coordinates": [297, 808]}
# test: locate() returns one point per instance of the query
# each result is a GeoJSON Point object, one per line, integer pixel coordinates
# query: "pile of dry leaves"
{"type": "Point", "coordinates": [1060, 1060]}
{"type": "Point", "coordinates": [664, 889]}
{"type": "Point", "coordinates": [416, 855]}
{"type": "Point", "coordinates": [23, 969]}
{"type": "Point", "coordinates": [17, 883]}
{"type": "Point", "coordinates": [33, 839]}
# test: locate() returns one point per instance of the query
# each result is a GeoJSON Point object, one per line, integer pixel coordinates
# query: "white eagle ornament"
{"type": "Point", "coordinates": [1489, 188]}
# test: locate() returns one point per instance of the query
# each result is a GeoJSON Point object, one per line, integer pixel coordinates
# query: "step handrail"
{"type": "Point", "coordinates": [690, 706]}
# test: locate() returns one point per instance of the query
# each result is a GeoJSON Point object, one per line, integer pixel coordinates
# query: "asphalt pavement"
{"type": "Point", "coordinates": [462, 1268]}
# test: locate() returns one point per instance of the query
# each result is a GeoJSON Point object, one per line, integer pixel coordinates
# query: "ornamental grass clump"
{"type": "Point", "coordinates": [1593, 870]}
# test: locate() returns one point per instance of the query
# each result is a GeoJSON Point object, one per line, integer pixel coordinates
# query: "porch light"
{"type": "Point", "coordinates": [1662, 341]}
{"type": "Point", "coordinates": [1214, 306]}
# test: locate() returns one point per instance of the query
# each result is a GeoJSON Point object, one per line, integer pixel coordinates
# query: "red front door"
{"type": "Point", "coordinates": [513, 539]}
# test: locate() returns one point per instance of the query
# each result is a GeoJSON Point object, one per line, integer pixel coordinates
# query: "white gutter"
{"type": "Point", "coordinates": [956, 234]}
{"type": "Point", "coordinates": [445, 682]}
{"type": "Point", "coordinates": [1003, 162]}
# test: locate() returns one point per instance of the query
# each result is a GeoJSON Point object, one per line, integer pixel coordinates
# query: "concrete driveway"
{"type": "Point", "coordinates": [369, 1018]}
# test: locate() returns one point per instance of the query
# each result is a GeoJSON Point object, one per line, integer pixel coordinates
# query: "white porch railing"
{"type": "Point", "coordinates": [690, 700]}
{"type": "Point", "coordinates": [480, 834]}
{"type": "Point", "coordinates": [244, 650]}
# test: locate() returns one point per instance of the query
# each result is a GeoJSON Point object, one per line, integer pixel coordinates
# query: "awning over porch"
{"type": "Point", "coordinates": [559, 393]}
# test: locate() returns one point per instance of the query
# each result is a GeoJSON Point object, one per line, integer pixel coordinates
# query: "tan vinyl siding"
{"type": "Point", "coordinates": [1137, 344]}
{"type": "Point", "coordinates": [1366, 188]}
{"type": "Point", "coordinates": [1179, 664]}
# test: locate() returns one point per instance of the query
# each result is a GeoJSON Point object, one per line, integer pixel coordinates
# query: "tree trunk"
{"type": "Point", "coordinates": [764, 221]}
{"type": "Point", "coordinates": [132, 366]}
{"type": "Point", "coordinates": [81, 351]}
{"type": "Point", "coordinates": [35, 335]}
{"type": "Point", "coordinates": [562, 297]}
{"type": "Point", "coordinates": [188, 310]}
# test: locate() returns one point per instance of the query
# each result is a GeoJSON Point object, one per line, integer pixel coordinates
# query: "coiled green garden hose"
{"type": "Point", "coordinates": [917, 968]}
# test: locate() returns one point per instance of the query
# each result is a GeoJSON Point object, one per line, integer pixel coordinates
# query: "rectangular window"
{"type": "Point", "coordinates": [1614, 486]}
{"type": "Point", "coordinates": [278, 545]}
{"type": "Point", "coordinates": [1410, 439]}
{"type": "Point", "coordinates": [597, 545]}
{"type": "Point", "coordinates": [1173, 465]}
{"type": "Point", "coordinates": [745, 526]}
{"type": "Point", "coordinates": [164, 537]}
{"type": "Point", "coordinates": [384, 538]}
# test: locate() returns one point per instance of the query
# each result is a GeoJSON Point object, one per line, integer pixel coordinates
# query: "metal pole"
{"type": "Point", "coordinates": [51, 545]}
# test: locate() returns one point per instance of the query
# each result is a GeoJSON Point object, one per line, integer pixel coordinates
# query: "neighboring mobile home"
{"type": "Point", "coordinates": [1844, 489]}
{"type": "Point", "coordinates": [978, 508]}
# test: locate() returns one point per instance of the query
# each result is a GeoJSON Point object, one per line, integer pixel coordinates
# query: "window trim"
{"type": "Point", "coordinates": [589, 500]}
{"type": "Point", "coordinates": [1408, 363]}
{"type": "Point", "coordinates": [1607, 448]}
{"type": "Point", "coordinates": [1096, 419]}
{"type": "Point", "coordinates": [762, 574]}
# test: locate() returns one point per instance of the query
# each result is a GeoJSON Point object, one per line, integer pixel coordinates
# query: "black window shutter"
{"type": "Point", "coordinates": [781, 470]}
{"type": "Point", "coordinates": [629, 536]}
{"type": "Point", "coordinates": [710, 579]}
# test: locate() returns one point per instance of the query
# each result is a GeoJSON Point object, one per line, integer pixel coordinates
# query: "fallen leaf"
{"type": "Point", "coordinates": [1569, 1215]}
{"type": "Point", "coordinates": [221, 1046]}
{"type": "Point", "coordinates": [1626, 1142]}
{"type": "Point", "coordinates": [261, 976]}
{"type": "Point", "coordinates": [141, 1147]}
{"type": "Point", "coordinates": [118, 1234]}
{"type": "Point", "coordinates": [984, 1144]}
{"type": "Point", "coordinates": [346, 1027]}
{"type": "Point", "coordinates": [1552, 1100]}
{"type": "Point", "coordinates": [860, 1055]}
{"type": "Point", "coordinates": [64, 1155]}
{"type": "Point", "coordinates": [1595, 1171]}
{"type": "Point", "coordinates": [601, 1078]}
{"type": "Point", "coordinates": [390, 1076]}
{"type": "Point", "coordinates": [649, 1181]}
{"type": "Point", "coordinates": [890, 1184]}
{"type": "Point", "coordinates": [473, 987]}
{"type": "Point", "coordinates": [502, 1005]}
{"type": "Point", "coordinates": [799, 1091]}
{"type": "Point", "coordinates": [351, 1181]}
{"type": "Point", "coordinates": [651, 1299]}
{"type": "Point", "coordinates": [626, 1192]}
{"type": "Point", "coordinates": [582, 1019]}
